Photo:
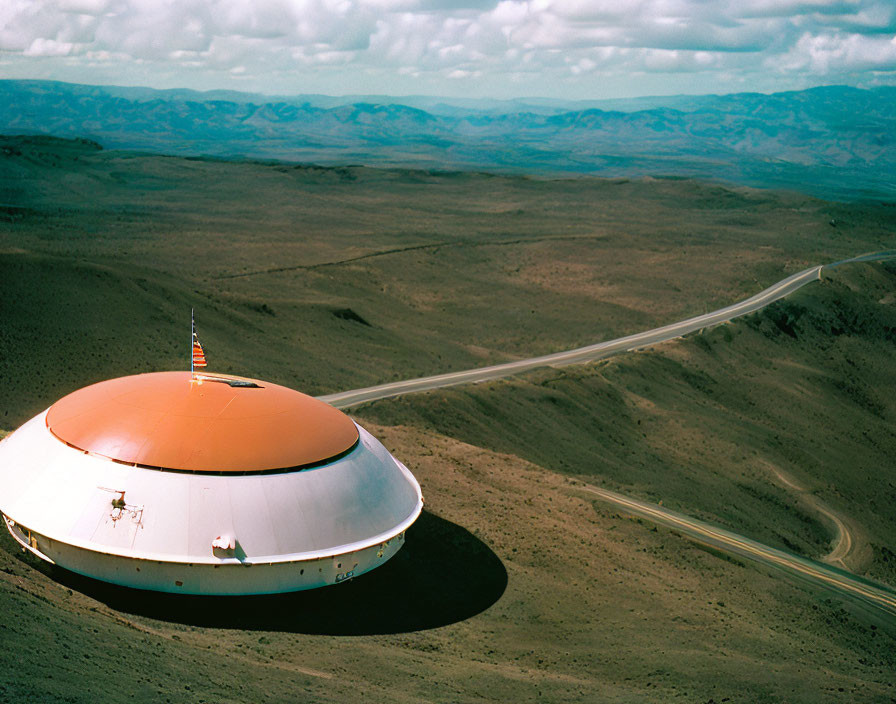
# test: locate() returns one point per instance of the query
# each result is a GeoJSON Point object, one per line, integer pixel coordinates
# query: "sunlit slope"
{"type": "Point", "coordinates": [328, 279]}
{"type": "Point", "coordinates": [515, 585]}
{"type": "Point", "coordinates": [722, 425]}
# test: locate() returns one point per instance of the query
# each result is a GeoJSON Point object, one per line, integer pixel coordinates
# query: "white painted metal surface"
{"type": "Point", "coordinates": [155, 529]}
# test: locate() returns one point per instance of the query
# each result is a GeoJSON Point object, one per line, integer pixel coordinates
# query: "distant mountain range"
{"type": "Point", "coordinates": [835, 141]}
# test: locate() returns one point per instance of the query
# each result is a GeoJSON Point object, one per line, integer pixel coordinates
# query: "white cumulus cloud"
{"type": "Point", "coordinates": [578, 48]}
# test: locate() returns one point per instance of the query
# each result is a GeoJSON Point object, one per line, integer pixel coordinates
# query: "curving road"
{"type": "Point", "coordinates": [816, 573]}
{"type": "Point", "coordinates": [600, 350]}
{"type": "Point", "coordinates": [590, 353]}
{"type": "Point", "coordinates": [846, 583]}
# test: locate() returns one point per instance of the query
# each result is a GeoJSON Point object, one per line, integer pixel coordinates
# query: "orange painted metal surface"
{"type": "Point", "coordinates": [166, 420]}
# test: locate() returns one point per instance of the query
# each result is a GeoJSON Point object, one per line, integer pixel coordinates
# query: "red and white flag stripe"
{"type": "Point", "coordinates": [198, 355]}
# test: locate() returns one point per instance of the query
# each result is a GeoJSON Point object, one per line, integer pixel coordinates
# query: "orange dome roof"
{"type": "Point", "coordinates": [223, 424]}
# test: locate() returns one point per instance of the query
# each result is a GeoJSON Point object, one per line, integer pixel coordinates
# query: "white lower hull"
{"type": "Point", "coordinates": [226, 578]}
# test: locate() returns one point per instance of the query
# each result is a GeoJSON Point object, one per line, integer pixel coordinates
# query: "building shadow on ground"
{"type": "Point", "coordinates": [443, 574]}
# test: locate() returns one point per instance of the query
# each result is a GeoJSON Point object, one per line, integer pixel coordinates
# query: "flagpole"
{"type": "Point", "coordinates": [192, 337]}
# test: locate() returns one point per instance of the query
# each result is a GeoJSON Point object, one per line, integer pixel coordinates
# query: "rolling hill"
{"type": "Point", "coordinates": [836, 142]}
{"type": "Point", "coordinates": [515, 584]}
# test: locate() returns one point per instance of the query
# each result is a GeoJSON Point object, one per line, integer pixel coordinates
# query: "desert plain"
{"type": "Point", "coordinates": [516, 584]}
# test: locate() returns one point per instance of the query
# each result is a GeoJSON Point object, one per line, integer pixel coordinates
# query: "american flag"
{"type": "Point", "coordinates": [198, 353]}
{"type": "Point", "coordinates": [198, 359]}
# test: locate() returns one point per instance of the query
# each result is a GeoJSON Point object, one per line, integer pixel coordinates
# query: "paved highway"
{"type": "Point", "coordinates": [775, 292]}
{"type": "Point", "coordinates": [876, 595]}
{"type": "Point", "coordinates": [590, 353]}
{"type": "Point", "coordinates": [831, 577]}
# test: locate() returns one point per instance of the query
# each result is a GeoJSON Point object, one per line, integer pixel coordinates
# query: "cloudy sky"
{"type": "Point", "coordinates": [476, 48]}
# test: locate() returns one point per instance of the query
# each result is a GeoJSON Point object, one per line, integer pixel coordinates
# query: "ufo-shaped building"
{"type": "Point", "coordinates": [204, 485]}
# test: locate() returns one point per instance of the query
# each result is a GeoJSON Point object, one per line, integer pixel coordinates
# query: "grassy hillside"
{"type": "Point", "coordinates": [514, 585]}
{"type": "Point", "coordinates": [720, 424]}
{"type": "Point", "coordinates": [326, 279]}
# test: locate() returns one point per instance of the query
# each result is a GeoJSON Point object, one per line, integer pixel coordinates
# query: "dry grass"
{"type": "Point", "coordinates": [514, 585]}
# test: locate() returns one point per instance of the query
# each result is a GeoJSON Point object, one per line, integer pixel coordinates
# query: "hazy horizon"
{"type": "Point", "coordinates": [432, 96]}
